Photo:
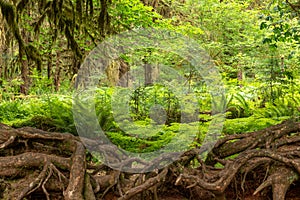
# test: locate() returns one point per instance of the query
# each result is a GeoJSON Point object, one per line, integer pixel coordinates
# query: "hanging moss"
{"type": "Point", "coordinates": [33, 54]}
{"type": "Point", "coordinates": [22, 5]}
{"type": "Point", "coordinates": [42, 4]}
{"type": "Point", "coordinates": [39, 23]}
{"type": "Point", "coordinates": [90, 3]}
{"type": "Point", "coordinates": [79, 9]}
{"type": "Point", "coordinates": [63, 18]}
{"type": "Point", "coordinates": [8, 12]}
{"type": "Point", "coordinates": [72, 43]}
{"type": "Point", "coordinates": [10, 15]}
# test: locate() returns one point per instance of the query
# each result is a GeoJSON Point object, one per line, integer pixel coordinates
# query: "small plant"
{"type": "Point", "coordinates": [145, 98]}
{"type": "Point", "coordinates": [238, 107]}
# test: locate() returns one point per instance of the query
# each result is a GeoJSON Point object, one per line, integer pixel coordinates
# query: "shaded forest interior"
{"type": "Point", "coordinates": [176, 66]}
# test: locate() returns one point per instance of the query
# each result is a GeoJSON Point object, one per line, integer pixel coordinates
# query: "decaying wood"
{"type": "Point", "coordinates": [36, 163]}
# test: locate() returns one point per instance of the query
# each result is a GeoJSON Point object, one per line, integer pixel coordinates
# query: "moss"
{"type": "Point", "coordinates": [39, 121]}
{"type": "Point", "coordinates": [42, 122]}
{"type": "Point", "coordinates": [243, 125]}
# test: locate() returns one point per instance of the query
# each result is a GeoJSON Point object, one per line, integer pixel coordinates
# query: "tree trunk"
{"type": "Point", "coordinates": [2, 43]}
{"type": "Point", "coordinates": [57, 72]}
{"type": "Point", "coordinates": [24, 73]}
{"type": "Point", "coordinates": [240, 77]}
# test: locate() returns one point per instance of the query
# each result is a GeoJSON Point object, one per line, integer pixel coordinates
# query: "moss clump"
{"type": "Point", "coordinates": [250, 124]}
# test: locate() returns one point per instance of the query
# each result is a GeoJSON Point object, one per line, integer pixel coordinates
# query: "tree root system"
{"type": "Point", "coordinates": [36, 164]}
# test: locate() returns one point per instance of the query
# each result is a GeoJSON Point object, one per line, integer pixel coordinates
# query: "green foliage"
{"type": "Point", "coordinates": [40, 84]}
{"type": "Point", "coordinates": [144, 98]}
{"type": "Point", "coordinates": [104, 110]}
{"type": "Point", "coordinates": [281, 19]}
{"type": "Point", "coordinates": [12, 110]}
{"type": "Point", "coordinates": [243, 125]}
{"type": "Point", "coordinates": [142, 139]}
{"type": "Point", "coordinates": [238, 107]}
{"type": "Point", "coordinates": [51, 113]}
{"type": "Point", "coordinates": [288, 106]}
{"type": "Point", "coordinates": [129, 14]}
{"type": "Point", "coordinates": [10, 89]}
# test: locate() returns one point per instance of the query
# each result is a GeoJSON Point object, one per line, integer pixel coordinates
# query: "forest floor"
{"type": "Point", "coordinates": [265, 164]}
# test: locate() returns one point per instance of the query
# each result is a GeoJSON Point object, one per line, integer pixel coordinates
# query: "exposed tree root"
{"type": "Point", "coordinates": [35, 163]}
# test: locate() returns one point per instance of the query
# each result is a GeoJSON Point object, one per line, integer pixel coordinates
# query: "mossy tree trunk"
{"type": "Point", "coordinates": [37, 27]}
{"type": "Point", "coordinates": [2, 44]}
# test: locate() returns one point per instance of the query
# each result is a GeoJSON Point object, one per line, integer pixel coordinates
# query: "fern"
{"type": "Point", "coordinates": [237, 106]}
{"type": "Point", "coordinates": [281, 107]}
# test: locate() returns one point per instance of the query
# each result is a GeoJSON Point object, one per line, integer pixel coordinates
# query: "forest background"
{"type": "Point", "coordinates": [254, 44]}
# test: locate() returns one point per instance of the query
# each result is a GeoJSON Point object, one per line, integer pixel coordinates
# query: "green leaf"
{"type": "Point", "coordinates": [269, 18]}
{"type": "Point", "coordinates": [263, 25]}
{"type": "Point", "coordinates": [267, 40]}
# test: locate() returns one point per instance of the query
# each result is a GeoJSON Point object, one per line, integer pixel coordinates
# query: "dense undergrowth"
{"type": "Point", "coordinates": [245, 112]}
{"type": "Point", "coordinates": [258, 63]}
